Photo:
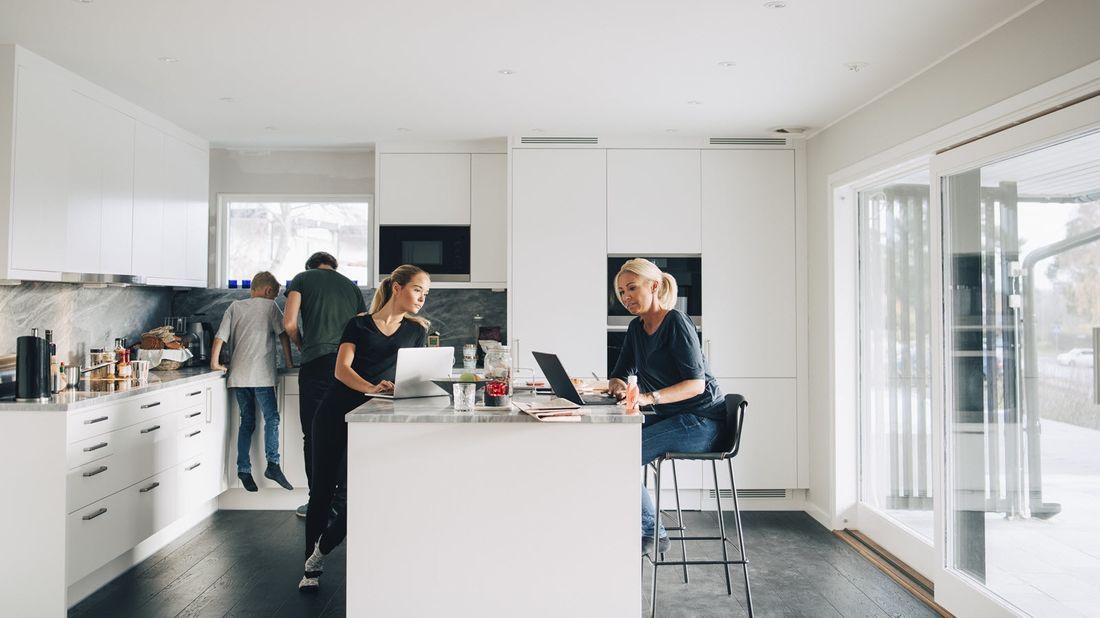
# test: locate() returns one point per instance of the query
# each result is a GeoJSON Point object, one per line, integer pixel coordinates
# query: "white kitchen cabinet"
{"type": "Point", "coordinates": [424, 189]}
{"type": "Point", "coordinates": [291, 453]}
{"type": "Point", "coordinates": [91, 184]}
{"type": "Point", "coordinates": [489, 218]}
{"type": "Point", "coordinates": [749, 263]}
{"type": "Point", "coordinates": [653, 202]}
{"type": "Point", "coordinates": [101, 188]}
{"type": "Point", "coordinates": [294, 458]}
{"type": "Point", "coordinates": [40, 188]}
{"type": "Point", "coordinates": [768, 458]}
{"type": "Point", "coordinates": [559, 251]}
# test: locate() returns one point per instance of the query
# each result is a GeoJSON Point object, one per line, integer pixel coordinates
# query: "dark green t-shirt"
{"type": "Point", "coordinates": [329, 300]}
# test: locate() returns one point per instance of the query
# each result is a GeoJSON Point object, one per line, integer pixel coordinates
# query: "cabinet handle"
{"type": "Point", "coordinates": [706, 349]}
{"type": "Point", "coordinates": [150, 405]}
{"type": "Point", "coordinates": [193, 434]}
{"type": "Point", "coordinates": [89, 449]}
{"type": "Point", "coordinates": [193, 415]}
{"type": "Point", "coordinates": [95, 472]}
{"type": "Point", "coordinates": [149, 488]}
{"type": "Point", "coordinates": [96, 420]}
{"type": "Point", "coordinates": [150, 429]}
{"type": "Point", "coordinates": [190, 468]}
{"type": "Point", "coordinates": [91, 516]}
{"type": "Point", "coordinates": [194, 393]}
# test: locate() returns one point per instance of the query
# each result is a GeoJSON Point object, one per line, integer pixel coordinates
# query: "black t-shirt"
{"type": "Point", "coordinates": [669, 356]}
{"type": "Point", "coordinates": [375, 353]}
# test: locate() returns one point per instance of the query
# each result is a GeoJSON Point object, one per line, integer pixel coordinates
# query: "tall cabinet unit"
{"type": "Point", "coordinates": [559, 248]}
{"type": "Point", "coordinates": [93, 185]}
{"type": "Point", "coordinates": [750, 302]}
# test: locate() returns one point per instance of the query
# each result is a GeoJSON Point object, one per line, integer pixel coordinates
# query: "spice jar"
{"type": "Point", "coordinates": [498, 372]}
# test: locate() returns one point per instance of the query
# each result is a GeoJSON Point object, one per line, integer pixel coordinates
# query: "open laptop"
{"type": "Point", "coordinates": [415, 369]}
{"type": "Point", "coordinates": [562, 385]}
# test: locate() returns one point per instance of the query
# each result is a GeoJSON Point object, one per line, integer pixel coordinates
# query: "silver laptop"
{"type": "Point", "coordinates": [415, 369]}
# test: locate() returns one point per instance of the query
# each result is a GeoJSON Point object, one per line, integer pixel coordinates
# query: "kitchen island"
{"type": "Point", "coordinates": [491, 513]}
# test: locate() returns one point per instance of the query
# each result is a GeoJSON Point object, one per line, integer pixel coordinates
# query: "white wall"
{"type": "Point", "coordinates": [295, 172]}
{"type": "Point", "coordinates": [1050, 40]}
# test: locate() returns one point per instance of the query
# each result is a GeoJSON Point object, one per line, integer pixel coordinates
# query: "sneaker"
{"type": "Point", "coordinates": [316, 561]}
{"type": "Point", "coordinates": [647, 545]}
{"type": "Point", "coordinates": [246, 480]}
{"type": "Point", "coordinates": [274, 473]}
{"type": "Point", "coordinates": [309, 584]}
{"type": "Point", "coordinates": [302, 511]}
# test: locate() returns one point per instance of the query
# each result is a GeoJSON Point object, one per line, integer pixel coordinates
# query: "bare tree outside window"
{"type": "Point", "coordinates": [280, 236]}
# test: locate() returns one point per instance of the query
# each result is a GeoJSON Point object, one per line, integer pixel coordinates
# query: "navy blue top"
{"type": "Point", "coordinates": [667, 357]}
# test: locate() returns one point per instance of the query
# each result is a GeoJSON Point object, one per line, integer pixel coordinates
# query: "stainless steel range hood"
{"type": "Point", "coordinates": [102, 279]}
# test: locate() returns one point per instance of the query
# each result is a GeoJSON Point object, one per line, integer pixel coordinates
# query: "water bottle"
{"type": "Point", "coordinates": [632, 393]}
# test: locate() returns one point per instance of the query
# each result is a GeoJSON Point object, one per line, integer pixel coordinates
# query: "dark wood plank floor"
{"type": "Point", "coordinates": [245, 563]}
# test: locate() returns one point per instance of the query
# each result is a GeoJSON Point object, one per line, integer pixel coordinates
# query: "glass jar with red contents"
{"type": "Point", "coordinates": [498, 370]}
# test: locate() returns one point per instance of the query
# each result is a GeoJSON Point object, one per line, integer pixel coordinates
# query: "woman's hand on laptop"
{"type": "Point", "coordinates": [385, 386]}
{"type": "Point", "coordinates": [616, 388]}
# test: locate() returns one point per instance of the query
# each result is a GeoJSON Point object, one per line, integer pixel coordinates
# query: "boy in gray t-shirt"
{"type": "Point", "coordinates": [250, 326]}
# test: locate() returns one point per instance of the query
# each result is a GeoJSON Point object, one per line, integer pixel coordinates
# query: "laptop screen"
{"type": "Point", "coordinates": [557, 377]}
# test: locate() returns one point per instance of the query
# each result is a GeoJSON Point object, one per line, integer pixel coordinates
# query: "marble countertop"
{"type": "Point", "coordinates": [439, 410]}
{"type": "Point", "coordinates": [94, 393]}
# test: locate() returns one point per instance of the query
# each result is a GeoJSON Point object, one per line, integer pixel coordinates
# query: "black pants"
{"type": "Point", "coordinates": [330, 469]}
{"type": "Point", "coordinates": [315, 379]}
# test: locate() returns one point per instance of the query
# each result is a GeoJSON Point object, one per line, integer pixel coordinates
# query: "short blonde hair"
{"type": "Point", "coordinates": [648, 271]}
{"type": "Point", "coordinates": [265, 279]}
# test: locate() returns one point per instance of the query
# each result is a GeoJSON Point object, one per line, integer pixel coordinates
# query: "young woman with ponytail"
{"type": "Point", "coordinates": [662, 349]}
{"type": "Point", "coordinates": [365, 364]}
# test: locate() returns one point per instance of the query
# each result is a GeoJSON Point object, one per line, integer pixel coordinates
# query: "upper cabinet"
{"type": "Point", "coordinates": [450, 184]}
{"type": "Point", "coordinates": [653, 204]}
{"type": "Point", "coordinates": [98, 186]}
{"type": "Point", "coordinates": [424, 189]}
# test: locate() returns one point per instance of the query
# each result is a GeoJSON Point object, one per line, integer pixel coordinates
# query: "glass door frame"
{"type": "Point", "coordinates": [955, 591]}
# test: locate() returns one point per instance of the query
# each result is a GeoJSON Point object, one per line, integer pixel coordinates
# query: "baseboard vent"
{"type": "Point", "coordinates": [750, 493]}
{"type": "Point", "coordinates": [917, 585]}
{"type": "Point", "coordinates": [560, 140]}
{"type": "Point", "coordinates": [748, 141]}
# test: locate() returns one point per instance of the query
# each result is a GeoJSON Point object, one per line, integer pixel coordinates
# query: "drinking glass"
{"type": "Point", "coordinates": [464, 393]}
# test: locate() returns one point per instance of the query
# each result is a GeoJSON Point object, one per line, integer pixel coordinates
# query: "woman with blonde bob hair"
{"type": "Point", "coordinates": [662, 350]}
{"type": "Point", "coordinates": [365, 364]}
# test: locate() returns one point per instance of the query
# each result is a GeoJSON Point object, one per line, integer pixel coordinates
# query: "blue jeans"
{"type": "Point", "coordinates": [682, 433]}
{"type": "Point", "coordinates": [246, 401]}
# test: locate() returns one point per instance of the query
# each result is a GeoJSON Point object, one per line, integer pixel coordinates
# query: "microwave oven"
{"type": "Point", "coordinates": [442, 250]}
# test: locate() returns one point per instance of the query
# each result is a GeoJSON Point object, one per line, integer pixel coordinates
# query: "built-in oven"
{"type": "Point", "coordinates": [442, 250]}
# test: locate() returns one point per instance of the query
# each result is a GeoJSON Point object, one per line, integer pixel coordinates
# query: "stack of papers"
{"type": "Point", "coordinates": [554, 410]}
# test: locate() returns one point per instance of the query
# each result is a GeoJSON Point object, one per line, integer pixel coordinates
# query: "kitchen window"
{"type": "Point", "coordinates": [278, 233]}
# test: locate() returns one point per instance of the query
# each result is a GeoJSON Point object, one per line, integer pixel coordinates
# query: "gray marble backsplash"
{"type": "Point", "coordinates": [451, 311]}
{"type": "Point", "coordinates": [80, 317]}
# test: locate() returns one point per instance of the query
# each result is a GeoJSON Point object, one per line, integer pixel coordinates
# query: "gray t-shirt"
{"type": "Point", "coordinates": [250, 327]}
{"type": "Point", "coordinates": [329, 300]}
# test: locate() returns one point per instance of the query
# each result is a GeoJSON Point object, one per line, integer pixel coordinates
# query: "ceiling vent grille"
{"type": "Point", "coordinates": [748, 141]}
{"type": "Point", "coordinates": [559, 140]}
{"type": "Point", "coordinates": [751, 493]}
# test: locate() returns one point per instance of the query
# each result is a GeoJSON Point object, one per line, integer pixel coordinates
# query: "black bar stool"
{"type": "Point", "coordinates": [725, 448]}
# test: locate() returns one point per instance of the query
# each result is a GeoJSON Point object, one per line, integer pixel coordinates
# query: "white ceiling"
{"type": "Point", "coordinates": [331, 73]}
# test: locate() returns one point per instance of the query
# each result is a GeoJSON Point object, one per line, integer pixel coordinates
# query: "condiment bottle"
{"type": "Point", "coordinates": [123, 369]}
{"type": "Point", "coordinates": [632, 393]}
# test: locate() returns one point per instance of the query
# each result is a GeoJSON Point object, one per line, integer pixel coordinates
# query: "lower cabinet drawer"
{"type": "Point", "coordinates": [97, 533]}
{"type": "Point", "coordinates": [155, 503]}
{"type": "Point", "coordinates": [93, 481]}
{"type": "Point", "coordinates": [199, 481]}
{"type": "Point", "coordinates": [192, 441]}
{"type": "Point", "coordinates": [91, 449]}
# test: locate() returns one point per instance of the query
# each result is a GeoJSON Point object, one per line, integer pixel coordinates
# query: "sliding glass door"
{"type": "Point", "coordinates": [1020, 215]}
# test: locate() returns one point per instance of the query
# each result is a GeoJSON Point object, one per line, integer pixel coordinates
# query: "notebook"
{"type": "Point", "coordinates": [562, 385]}
{"type": "Point", "coordinates": [555, 410]}
{"type": "Point", "coordinates": [415, 369]}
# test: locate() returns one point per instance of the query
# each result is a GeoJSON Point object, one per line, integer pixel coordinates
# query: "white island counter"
{"type": "Point", "coordinates": [492, 514]}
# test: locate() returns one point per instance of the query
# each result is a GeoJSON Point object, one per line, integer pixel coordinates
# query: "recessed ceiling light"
{"type": "Point", "coordinates": [788, 130]}
{"type": "Point", "coordinates": [671, 130]}
{"type": "Point", "coordinates": [168, 59]}
{"type": "Point", "coordinates": [506, 72]}
{"type": "Point", "coordinates": [694, 102]}
{"type": "Point", "coordinates": [227, 99]}
{"type": "Point", "coordinates": [403, 129]}
{"type": "Point", "coordinates": [83, 1]}
{"type": "Point", "coordinates": [538, 131]}
{"type": "Point", "coordinates": [270, 128]}
{"type": "Point", "coordinates": [727, 64]}
{"type": "Point", "coordinates": [856, 67]}
{"type": "Point", "coordinates": [776, 4]}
